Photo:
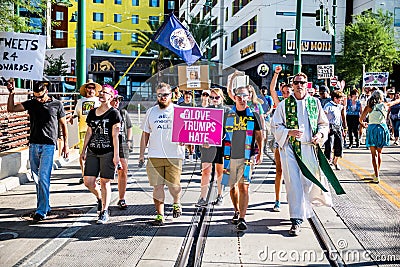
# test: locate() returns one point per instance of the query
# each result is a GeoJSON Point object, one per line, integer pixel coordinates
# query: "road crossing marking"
{"type": "Point", "coordinates": [357, 170]}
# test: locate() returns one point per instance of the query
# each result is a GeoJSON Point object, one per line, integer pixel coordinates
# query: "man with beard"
{"type": "Point", "coordinates": [164, 165]}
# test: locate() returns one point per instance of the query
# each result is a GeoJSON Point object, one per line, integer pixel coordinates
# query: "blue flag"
{"type": "Point", "coordinates": [175, 37]}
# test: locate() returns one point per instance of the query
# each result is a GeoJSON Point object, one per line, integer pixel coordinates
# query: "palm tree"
{"type": "Point", "coordinates": [162, 53]}
{"type": "Point", "coordinates": [200, 29]}
{"type": "Point", "coordinates": [105, 46]}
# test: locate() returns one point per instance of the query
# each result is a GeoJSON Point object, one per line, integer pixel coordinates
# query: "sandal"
{"type": "Point", "coordinates": [176, 210]}
{"type": "Point", "coordinates": [122, 204]}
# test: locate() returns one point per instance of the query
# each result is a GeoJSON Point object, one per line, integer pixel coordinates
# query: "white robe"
{"type": "Point", "coordinates": [301, 192]}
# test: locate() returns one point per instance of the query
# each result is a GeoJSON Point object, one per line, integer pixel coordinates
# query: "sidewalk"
{"type": "Point", "coordinates": [70, 236]}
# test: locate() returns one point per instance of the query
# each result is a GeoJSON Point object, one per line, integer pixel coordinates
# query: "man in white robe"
{"type": "Point", "coordinates": [301, 192]}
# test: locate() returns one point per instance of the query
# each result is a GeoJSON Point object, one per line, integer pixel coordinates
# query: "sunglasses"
{"type": "Point", "coordinates": [40, 96]}
{"type": "Point", "coordinates": [188, 93]}
{"type": "Point", "coordinates": [242, 95]}
{"type": "Point", "coordinates": [105, 92]}
{"type": "Point", "coordinates": [91, 87]}
{"type": "Point", "coordinates": [215, 97]}
{"type": "Point", "coordinates": [163, 95]}
{"type": "Point", "coordinates": [299, 82]}
{"type": "Point", "coordinates": [118, 99]}
{"type": "Point", "coordinates": [205, 94]}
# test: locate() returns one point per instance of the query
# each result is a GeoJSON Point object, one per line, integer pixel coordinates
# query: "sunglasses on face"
{"type": "Point", "coordinates": [299, 82]}
{"type": "Point", "coordinates": [39, 96]}
{"type": "Point", "coordinates": [205, 94]}
{"type": "Point", "coordinates": [163, 95]}
{"type": "Point", "coordinates": [188, 93]}
{"type": "Point", "coordinates": [105, 92]}
{"type": "Point", "coordinates": [117, 99]}
{"type": "Point", "coordinates": [91, 87]}
{"type": "Point", "coordinates": [242, 95]}
{"type": "Point", "coordinates": [215, 97]}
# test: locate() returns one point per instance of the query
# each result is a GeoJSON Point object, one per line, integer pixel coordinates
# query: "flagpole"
{"type": "Point", "coordinates": [133, 63]}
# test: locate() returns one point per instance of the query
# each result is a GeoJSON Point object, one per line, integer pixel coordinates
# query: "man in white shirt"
{"type": "Point", "coordinates": [164, 166]}
{"type": "Point", "coordinates": [90, 100]}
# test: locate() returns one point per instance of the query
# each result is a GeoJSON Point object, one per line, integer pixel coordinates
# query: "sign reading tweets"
{"type": "Point", "coordinates": [198, 126]}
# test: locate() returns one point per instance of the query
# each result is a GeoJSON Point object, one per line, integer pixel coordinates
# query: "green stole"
{"type": "Point", "coordinates": [229, 128]}
{"type": "Point", "coordinates": [292, 123]}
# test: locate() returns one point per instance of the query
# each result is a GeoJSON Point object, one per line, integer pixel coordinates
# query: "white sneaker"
{"type": "Point", "coordinates": [376, 180]}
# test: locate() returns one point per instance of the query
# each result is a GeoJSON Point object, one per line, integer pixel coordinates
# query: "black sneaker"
{"type": "Point", "coordinates": [235, 218]}
{"type": "Point", "coordinates": [37, 217]}
{"type": "Point", "coordinates": [103, 217]}
{"type": "Point", "coordinates": [241, 226]}
{"type": "Point", "coordinates": [295, 230]}
{"type": "Point", "coordinates": [99, 205]}
{"type": "Point", "coordinates": [122, 204]}
{"type": "Point", "coordinates": [81, 180]}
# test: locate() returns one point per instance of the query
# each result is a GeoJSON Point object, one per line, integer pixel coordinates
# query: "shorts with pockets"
{"type": "Point", "coordinates": [99, 164]}
{"type": "Point", "coordinates": [236, 169]}
{"type": "Point", "coordinates": [164, 171]}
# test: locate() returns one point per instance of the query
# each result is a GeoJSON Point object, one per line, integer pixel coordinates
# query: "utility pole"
{"type": "Point", "coordinates": [297, 54]}
{"type": "Point", "coordinates": [208, 5]}
{"type": "Point", "coordinates": [334, 7]}
{"type": "Point", "coordinates": [81, 44]}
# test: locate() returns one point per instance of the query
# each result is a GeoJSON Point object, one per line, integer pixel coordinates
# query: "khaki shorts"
{"type": "Point", "coordinates": [236, 169]}
{"type": "Point", "coordinates": [81, 140]}
{"type": "Point", "coordinates": [164, 171]}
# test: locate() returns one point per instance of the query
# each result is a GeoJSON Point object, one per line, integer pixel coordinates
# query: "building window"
{"type": "Point", "coordinates": [59, 34]}
{"type": "Point", "coordinates": [117, 17]}
{"type": "Point", "coordinates": [226, 14]}
{"type": "Point", "coordinates": [135, 19]}
{"type": "Point", "coordinates": [98, 1]}
{"type": "Point", "coordinates": [97, 35]}
{"type": "Point", "coordinates": [237, 5]}
{"type": "Point", "coordinates": [98, 16]}
{"type": "Point", "coordinates": [117, 36]}
{"type": "Point", "coordinates": [214, 25]}
{"type": "Point", "coordinates": [171, 5]}
{"type": "Point", "coordinates": [118, 2]}
{"type": "Point", "coordinates": [154, 3]}
{"type": "Point", "coordinates": [134, 38]}
{"type": "Point", "coordinates": [154, 20]}
{"type": "Point", "coordinates": [397, 16]}
{"type": "Point", "coordinates": [226, 43]}
{"type": "Point", "coordinates": [134, 53]}
{"type": "Point", "coordinates": [135, 2]}
{"type": "Point", "coordinates": [214, 51]}
{"type": "Point", "coordinates": [244, 31]}
{"type": "Point", "coordinates": [59, 15]}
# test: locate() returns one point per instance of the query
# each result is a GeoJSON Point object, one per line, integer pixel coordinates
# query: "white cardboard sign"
{"type": "Point", "coordinates": [325, 71]}
{"type": "Point", "coordinates": [22, 55]}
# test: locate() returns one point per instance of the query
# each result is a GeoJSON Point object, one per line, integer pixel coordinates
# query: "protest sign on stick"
{"type": "Point", "coordinates": [22, 55]}
{"type": "Point", "coordinates": [198, 126]}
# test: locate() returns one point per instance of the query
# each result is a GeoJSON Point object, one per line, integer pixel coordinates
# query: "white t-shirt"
{"type": "Point", "coordinates": [82, 108]}
{"type": "Point", "coordinates": [158, 123]}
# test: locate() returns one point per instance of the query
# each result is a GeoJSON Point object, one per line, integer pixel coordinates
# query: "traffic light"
{"type": "Point", "coordinates": [319, 15]}
{"type": "Point", "coordinates": [281, 43]}
{"type": "Point", "coordinates": [327, 25]}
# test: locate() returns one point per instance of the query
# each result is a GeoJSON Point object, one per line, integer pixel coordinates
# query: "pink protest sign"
{"type": "Point", "coordinates": [198, 126]}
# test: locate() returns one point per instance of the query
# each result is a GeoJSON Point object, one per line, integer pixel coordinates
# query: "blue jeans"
{"type": "Point", "coordinates": [41, 161]}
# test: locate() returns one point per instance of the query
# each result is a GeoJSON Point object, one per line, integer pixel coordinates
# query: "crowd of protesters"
{"type": "Point", "coordinates": [293, 121]}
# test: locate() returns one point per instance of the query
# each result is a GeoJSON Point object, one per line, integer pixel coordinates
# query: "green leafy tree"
{"type": "Point", "coordinates": [10, 21]}
{"type": "Point", "coordinates": [57, 66]}
{"type": "Point", "coordinates": [369, 40]}
{"type": "Point", "coordinates": [105, 46]}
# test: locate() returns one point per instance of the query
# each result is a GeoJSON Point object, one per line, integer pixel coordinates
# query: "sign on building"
{"type": "Point", "coordinates": [325, 71]}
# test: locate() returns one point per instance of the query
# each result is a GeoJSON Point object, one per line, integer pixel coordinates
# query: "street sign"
{"type": "Point", "coordinates": [334, 81]}
{"type": "Point", "coordinates": [325, 71]}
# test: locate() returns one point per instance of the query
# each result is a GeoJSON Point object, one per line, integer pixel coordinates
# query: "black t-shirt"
{"type": "Point", "coordinates": [239, 134]}
{"type": "Point", "coordinates": [101, 140]}
{"type": "Point", "coordinates": [43, 119]}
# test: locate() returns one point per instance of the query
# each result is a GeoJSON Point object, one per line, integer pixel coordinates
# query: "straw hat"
{"type": "Point", "coordinates": [82, 90]}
